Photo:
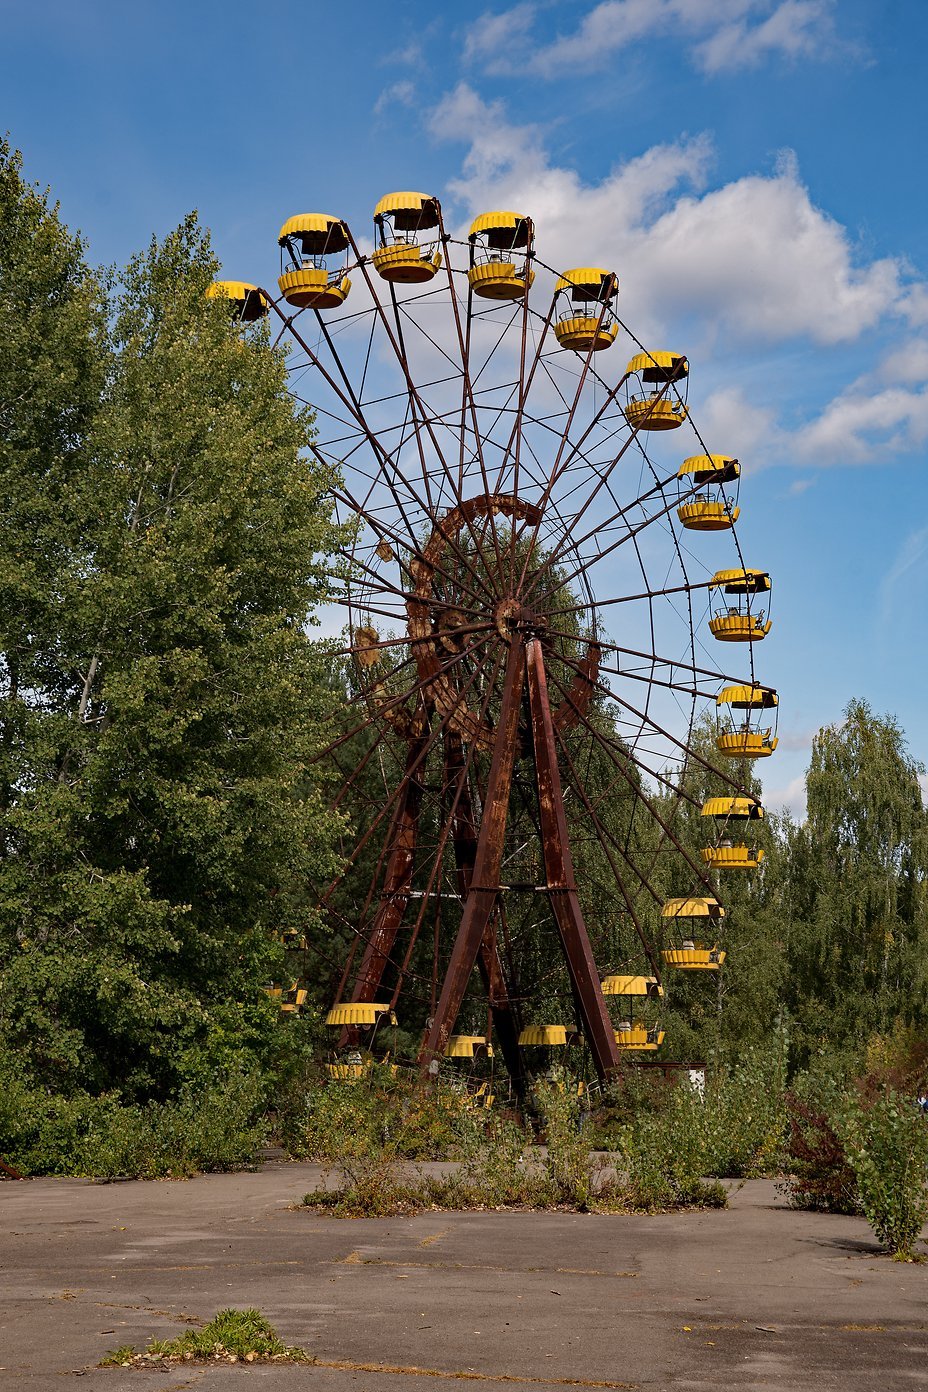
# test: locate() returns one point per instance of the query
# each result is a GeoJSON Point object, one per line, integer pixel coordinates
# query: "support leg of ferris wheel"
{"type": "Point", "coordinates": [483, 891]}
{"type": "Point", "coordinates": [464, 837]}
{"type": "Point", "coordinates": [559, 873]}
{"type": "Point", "coordinates": [394, 896]}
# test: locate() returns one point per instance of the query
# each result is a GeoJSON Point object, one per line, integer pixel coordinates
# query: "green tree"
{"type": "Point", "coordinates": [162, 826]}
{"type": "Point", "coordinates": [857, 879]}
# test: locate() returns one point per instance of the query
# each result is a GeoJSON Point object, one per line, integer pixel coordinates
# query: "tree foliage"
{"type": "Point", "coordinates": [165, 539]}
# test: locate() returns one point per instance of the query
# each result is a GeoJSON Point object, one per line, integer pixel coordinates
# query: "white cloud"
{"type": "Point", "coordinates": [796, 29]}
{"type": "Point", "coordinates": [492, 33]}
{"type": "Point", "coordinates": [791, 799]}
{"type": "Point", "coordinates": [755, 259]}
{"type": "Point", "coordinates": [907, 364]}
{"type": "Point", "coordinates": [912, 553]}
{"type": "Point", "coordinates": [402, 93]}
{"type": "Point", "coordinates": [731, 423]}
{"type": "Point", "coordinates": [723, 35]}
{"type": "Point", "coordinates": [862, 426]}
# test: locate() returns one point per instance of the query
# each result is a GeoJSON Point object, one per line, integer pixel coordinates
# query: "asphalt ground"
{"type": "Point", "coordinates": [757, 1296]}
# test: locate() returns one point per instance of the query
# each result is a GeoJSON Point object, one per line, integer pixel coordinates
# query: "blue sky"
{"type": "Point", "coordinates": [752, 169]}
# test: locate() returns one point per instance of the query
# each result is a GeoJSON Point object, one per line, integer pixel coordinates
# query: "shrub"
{"type": "Point", "coordinates": [819, 1175]}
{"type": "Point", "coordinates": [213, 1124]}
{"type": "Point", "coordinates": [230, 1336]}
{"type": "Point", "coordinates": [887, 1145]}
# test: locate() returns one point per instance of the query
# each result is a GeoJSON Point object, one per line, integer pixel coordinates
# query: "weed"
{"type": "Point", "coordinates": [232, 1336]}
{"type": "Point", "coordinates": [887, 1145]}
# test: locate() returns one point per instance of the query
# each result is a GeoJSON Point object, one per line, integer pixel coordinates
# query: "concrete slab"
{"type": "Point", "coordinates": [753, 1297]}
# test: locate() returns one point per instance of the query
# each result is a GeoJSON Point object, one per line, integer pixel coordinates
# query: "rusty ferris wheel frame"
{"type": "Point", "coordinates": [479, 519]}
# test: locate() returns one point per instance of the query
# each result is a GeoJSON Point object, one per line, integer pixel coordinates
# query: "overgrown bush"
{"type": "Point", "coordinates": [818, 1175]}
{"type": "Point", "coordinates": [213, 1124]}
{"type": "Point", "coordinates": [381, 1112]}
{"type": "Point", "coordinates": [887, 1145]}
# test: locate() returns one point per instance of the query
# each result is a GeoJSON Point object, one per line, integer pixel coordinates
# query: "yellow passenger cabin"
{"type": "Point", "coordinates": [662, 407]}
{"type": "Point", "coordinates": [704, 505]}
{"type": "Point", "coordinates": [546, 1036]}
{"type": "Point", "coordinates": [359, 1014]}
{"type": "Point", "coordinates": [246, 302]}
{"type": "Point", "coordinates": [732, 809]}
{"type": "Point", "coordinates": [313, 261]}
{"type": "Point", "coordinates": [367, 646]}
{"type": "Point", "coordinates": [401, 254]}
{"type": "Point", "coordinates": [638, 1036]}
{"type": "Point", "coordinates": [730, 856]}
{"type": "Point", "coordinates": [585, 302]}
{"type": "Point", "coordinates": [687, 953]}
{"type": "Point", "coordinates": [740, 620]}
{"type": "Point", "coordinates": [747, 736]}
{"type": "Point", "coordinates": [632, 986]}
{"type": "Point", "coordinates": [501, 249]}
{"type": "Point", "coordinates": [466, 1046]}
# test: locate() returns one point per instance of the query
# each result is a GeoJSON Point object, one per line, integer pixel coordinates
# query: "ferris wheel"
{"type": "Point", "coordinates": [537, 585]}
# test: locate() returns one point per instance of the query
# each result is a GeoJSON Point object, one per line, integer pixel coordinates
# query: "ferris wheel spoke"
{"type": "Point", "coordinates": [435, 733]}
{"type": "Point", "coordinates": [396, 702]}
{"type": "Point", "coordinates": [686, 749]}
{"type": "Point", "coordinates": [698, 870]}
{"type": "Point", "coordinates": [608, 844]}
{"type": "Point", "coordinates": [631, 532]}
{"type": "Point", "coordinates": [387, 464]}
{"type": "Point", "coordinates": [448, 821]}
{"type": "Point", "coordinates": [419, 411]}
{"type": "Point", "coordinates": [571, 413]}
{"type": "Point", "coordinates": [602, 482]}
{"type": "Point", "coordinates": [654, 657]}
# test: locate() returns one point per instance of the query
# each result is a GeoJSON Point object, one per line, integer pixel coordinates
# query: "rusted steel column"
{"type": "Point", "coordinates": [559, 872]}
{"type": "Point", "coordinates": [394, 895]}
{"type": "Point", "coordinates": [483, 891]}
{"type": "Point", "coordinates": [464, 836]}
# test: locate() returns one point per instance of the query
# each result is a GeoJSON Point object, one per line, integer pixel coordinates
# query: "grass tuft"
{"type": "Point", "coordinates": [233, 1336]}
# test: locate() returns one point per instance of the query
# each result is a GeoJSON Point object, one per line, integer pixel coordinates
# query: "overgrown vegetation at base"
{"type": "Point", "coordinates": [167, 538]}
{"type": "Point", "coordinates": [215, 1124]}
{"type": "Point", "coordinates": [233, 1336]}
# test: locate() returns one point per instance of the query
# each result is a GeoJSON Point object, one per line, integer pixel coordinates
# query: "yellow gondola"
{"type": "Point", "coordinates": [632, 986]}
{"type": "Point", "coordinates": [661, 408]}
{"type": "Point", "coordinates": [366, 646]}
{"type": "Point", "coordinates": [740, 622]}
{"type": "Point", "coordinates": [466, 1045]}
{"type": "Point", "coordinates": [295, 1004]}
{"type": "Point", "coordinates": [710, 511]}
{"type": "Point", "coordinates": [693, 956]}
{"type": "Point", "coordinates": [363, 1014]}
{"type": "Point", "coordinates": [727, 856]}
{"type": "Point", "coordinates": [551, 1036]}
{"type": "Point", "coordinates": [747, 740]}
{"type": "Point", "coordinates": [398, 255]}
{"type": "Point", "coordinates": [500, 255]}
{"type": "Point", "coordinates": [586, 298]}
{"type": "Point", "coordinates": [738, 809]}
{"type": "Point", "coordinates": [308, 242]}
{"type": "Point", "coordinates": [638, 1036]}
{"type": "Point", "coordinates": [689, 954]}
{"type": "Point", "coordinates": [246, 300]}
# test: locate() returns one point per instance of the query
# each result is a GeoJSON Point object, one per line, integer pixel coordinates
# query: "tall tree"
{"type": "Point", "coordinates": [165, 828]}
{"type": "Point", "coordinates": [858, 887]}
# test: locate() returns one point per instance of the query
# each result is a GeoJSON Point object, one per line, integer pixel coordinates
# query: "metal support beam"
{"type": "Point", "coordinates": [394, 895]}
{"type": "Point", "coordinates": [464, 835]}
{"type": "Point", "coordinates": [559, 871]}
{"type": "Point", "coordinates": [483, 891]}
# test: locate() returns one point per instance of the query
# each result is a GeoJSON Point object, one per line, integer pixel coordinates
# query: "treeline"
{"type": "Point", "coordinates": [165, 543]}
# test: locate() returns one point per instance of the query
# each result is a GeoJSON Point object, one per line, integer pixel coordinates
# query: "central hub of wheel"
{"type": "Point", "coordinates": [507, 618]}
